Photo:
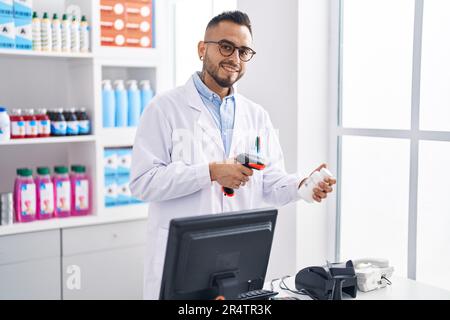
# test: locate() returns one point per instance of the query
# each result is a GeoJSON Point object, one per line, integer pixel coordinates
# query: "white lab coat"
{"type": "Point", "coordinates": [176, 140]}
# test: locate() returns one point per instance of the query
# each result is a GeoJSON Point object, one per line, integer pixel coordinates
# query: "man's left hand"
{"type": "Point", "coordinates": [324, 187]}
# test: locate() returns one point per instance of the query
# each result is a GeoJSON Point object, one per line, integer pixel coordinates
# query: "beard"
{"type": "Point", "coordinates": [223, 81]}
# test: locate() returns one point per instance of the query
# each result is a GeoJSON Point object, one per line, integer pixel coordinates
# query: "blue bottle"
{"type": "Point", "coordinates": [134, 103]}
{"type": "Point", "coordinates": [147, 94]}
{"type": "Point", "coordinates": [109, 105]}
{"type": "Point", "coordinates": [121, 104]}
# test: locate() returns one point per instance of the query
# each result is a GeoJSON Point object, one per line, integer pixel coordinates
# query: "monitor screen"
{"type": "Point", "coordinates": [220, 255]}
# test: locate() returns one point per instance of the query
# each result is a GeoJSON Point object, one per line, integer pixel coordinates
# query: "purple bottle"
{"type": "Point", "coordinates": [81, 191]}
{"type": "Point", "coordinates": [25, 196]}
{"type": "Point", "coordinates": [45, 194]}
{"type": "Point", "coordinates": [61, 185]}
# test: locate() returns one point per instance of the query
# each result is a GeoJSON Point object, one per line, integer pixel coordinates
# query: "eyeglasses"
{"type": "Point", "coordinates": [227, 49]}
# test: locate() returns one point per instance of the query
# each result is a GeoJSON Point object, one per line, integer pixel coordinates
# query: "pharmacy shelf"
{"type": "Point", "coordinates": [128, 57]}
{"type": "Point", "coordinates": [75, 80]}
{"type": "Point", "coordinates": [117, 137]}
{"type": "Point", "coordinates": [35, 141]}
{"type": "Point", "coordinates": [116, 214]}
{"type": "Point", "coordinates": [41, 54]}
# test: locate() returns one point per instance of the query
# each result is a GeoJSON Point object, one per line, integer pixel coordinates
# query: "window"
{"type": "Point", "coordinates": [392, 133]}
{"type": "Point", "coordinates": [377, 60]}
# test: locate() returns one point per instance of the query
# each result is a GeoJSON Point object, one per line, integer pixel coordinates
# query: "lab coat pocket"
{"type": "Point", "coordinates": [160, 251]}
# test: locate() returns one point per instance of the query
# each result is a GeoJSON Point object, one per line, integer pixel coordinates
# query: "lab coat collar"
{"type": "Point", "coordinates": [206, 121]}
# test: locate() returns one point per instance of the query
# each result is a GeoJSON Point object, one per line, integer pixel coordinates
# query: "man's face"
{"type": "Point", "coordinates": [225, 70]}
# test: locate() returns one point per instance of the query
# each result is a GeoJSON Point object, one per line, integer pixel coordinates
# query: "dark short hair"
{"type": "Point", "coordinates": [237, 17]}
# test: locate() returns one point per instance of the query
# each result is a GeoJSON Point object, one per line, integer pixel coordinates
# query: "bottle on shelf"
{"type": "Point", "coordinates": [58, 123]}
{"type": "Point", "coordinates": [121, 104]}
{"type": "Point", "coordinates": [108, 105]}
{"type": "Point", "coordinates": [36, 32]}
{"type": "Point", "coordinates": [146, 94]}
{"type": "Point", "coordinates": [45, 195]}
{"type": "Point", "coordinates": [66, 41]}
{"type": "Point", "coordinates": [5, 125]}
{"type": "Point", "coordinates": [17, 124]}
{"type": "Point", "coordinates": [84, 35]}
{"type": "Point", "coordinates": [81, 191]}
{"type": "Point", "coordinates": [134, 103]}
{"type": "Point", "coordinates": [61, 185]}
{"type": "Point", "coordinates": [46, 33]}
{"type": "Point", "coordinates": [84, 124]}
{"type": "Point", "coordinates": [31, 130]}
{"type": "Point", "coordinates": [56, 34]}
{"type": "Point", "coordinates": [43, 123]}
{"type": "Point", "coordinates": [75, 35]}
{"type": "Point", "coordinates": [25, 196]}
{"type": "Point", "coordinates": [72, 122]}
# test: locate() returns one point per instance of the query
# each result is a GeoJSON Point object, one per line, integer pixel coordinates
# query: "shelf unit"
{"type": "Point", "coordinates": [50, 80]}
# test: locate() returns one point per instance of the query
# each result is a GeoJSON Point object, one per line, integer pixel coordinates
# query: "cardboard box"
{"type": "Point", "coordinates": [6, 8]}
{"type": "Point", "coordinates": [7, 32]}
{"type": "Point", "coordinates": [24, 39]}
{"type": "Point", "coordinates": [124, 161]}
{"type": "Point", "coordinates": [123, 189]}
{"type": "Point", "coordinates": [110, 191]}
{"type": "Point", "coordinates": [110, 162]}
{"type": "Point", "coordinates": [23, 9]}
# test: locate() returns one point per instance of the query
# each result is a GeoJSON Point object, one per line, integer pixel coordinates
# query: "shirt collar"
{"type": "Point", "coordinates": [207, 93]}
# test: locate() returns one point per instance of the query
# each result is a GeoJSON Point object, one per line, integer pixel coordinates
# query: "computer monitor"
{"type": "Point", "coordinates": [217, 255]}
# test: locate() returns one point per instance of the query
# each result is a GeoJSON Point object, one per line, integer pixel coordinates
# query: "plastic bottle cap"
{"type": "Point", "coordinates": [35, 15]}
{"type": "Point", "coordinates": [78, 169]}
{"type": "Point", "coordinates": [64, 17]}
{"type": "Point", "coordinates": [145, 41]}
{"type": "Point", "coordinates": [43, 171]}
{"type": "Point", "coordinates": [120, 40]}
{"type": "Point", "coordinates": [61, 170]}
{"type": "Point", "coordinates": [24, 172]}
{"type": "Point", "coordinates": [119, 8]}
{"type": "Point", "coordinates": [2, 109]}
{"type": "Point", "coordinates": [132, 84]}
{"type": "Point", "coordinates": [145, 26]}
{"type": "Point", "coordinates": [45, 15]}
{"type": "Point", "coordinates": [83, 19]}
{"type": "Point", "coordinates": [145, 11]}
{"type": "Point", "coordinates": [145, 84]}
{"type": "Point", "coordinates": [55, 16]}
{"type": "Point", "coordinates": [119, 84]}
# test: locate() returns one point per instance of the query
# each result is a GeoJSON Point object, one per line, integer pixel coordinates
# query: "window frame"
{"type": "Point", "coordinates": [414, 135]}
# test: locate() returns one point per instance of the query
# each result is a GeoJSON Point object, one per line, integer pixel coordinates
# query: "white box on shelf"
{"type": "Point", "coordinates": [7, 32]}
{"type": "Point", "coordinates": [124, 161]}
{"type": "Point", "coordinates": [23, 34]}
{"type": "Point", "coordinates": [6, 8]}
{"type": "Point", "coordinates": [23, 9]}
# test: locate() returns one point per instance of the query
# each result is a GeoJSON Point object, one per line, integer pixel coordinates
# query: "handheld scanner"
{"type": "Point", "coordinates": [247, 160]}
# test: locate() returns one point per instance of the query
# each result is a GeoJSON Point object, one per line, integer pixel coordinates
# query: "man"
{"type": "Point", "coordinates": [186, 135]}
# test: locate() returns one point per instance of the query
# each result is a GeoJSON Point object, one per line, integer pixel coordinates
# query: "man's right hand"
{"type": "Point", "coordinates": [230, 174]}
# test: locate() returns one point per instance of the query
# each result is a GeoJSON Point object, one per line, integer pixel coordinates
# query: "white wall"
{"type": "Point", "coordinates": [289, 77]}
{"type": "Point", "coordinates": [315, 223]}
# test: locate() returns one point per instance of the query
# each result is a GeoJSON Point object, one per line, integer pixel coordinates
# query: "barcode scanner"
{"type": "Point", "coordinates": [247, 160]}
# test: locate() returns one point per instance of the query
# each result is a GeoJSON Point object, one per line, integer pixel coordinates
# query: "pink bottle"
{"type": "Point", "coordinates": [81, 191]}
{"type": "Point", "coordinates": [25, 196]}
{"type": "Point", "coordinates": [61, 185]}
{"type": "Point", "coordinates": [45, 195]}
